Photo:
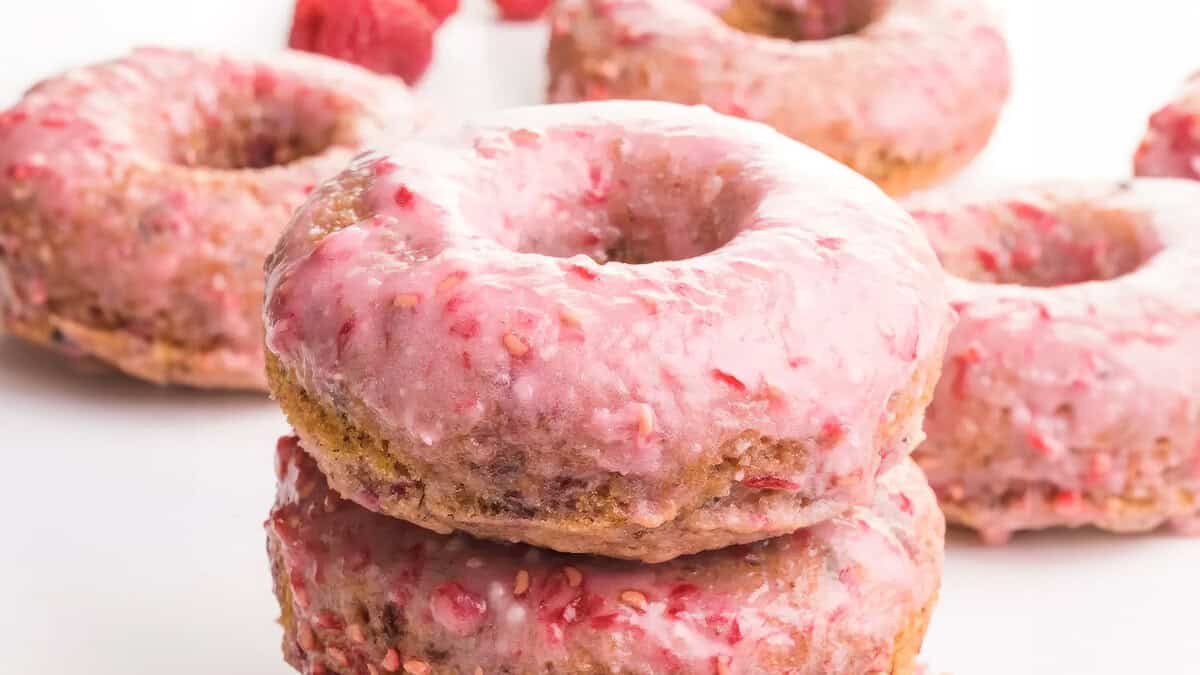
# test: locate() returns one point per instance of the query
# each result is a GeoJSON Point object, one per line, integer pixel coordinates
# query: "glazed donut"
{"type": "Point", "coordinates": [363, 593]}
{"type": "Point", "coordinates": [904, 91]}
{"type": "Point", "coordinates": [1071, 393]}
{"type": "Point", "coordinates": [1171, 147]}
{"type": "Point", "coordinates": [589, 327]}
{"type": "Point", "coordinates": [139, 198]}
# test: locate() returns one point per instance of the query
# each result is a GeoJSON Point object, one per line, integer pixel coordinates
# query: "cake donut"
{"type": "Point", "coordinates": [140, 196]}
{"type": "Point", "coordinates": [1071, 383]}
{"type": "Point", "coordinates": [1171, 146]}
{"type": "Point", "coordinates": [364, 593]}
{"type": "Point", "coordinates": [593, 327]}
{"type": "Point", "coordinates": [903, 91]}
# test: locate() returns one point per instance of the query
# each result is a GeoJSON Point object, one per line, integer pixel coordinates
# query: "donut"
{"type": "Point", "coordinates": [903, 91]}
{"type": "Point", "coordinates": [1171, 146]}
{"type": "Point", "coordinates": [140, 196]}
{"type": "Point", "coordinates": [632, 329]}
{"type": "Point", "coordinates": [364, 593]}
{"type": "Point", "coordinates": [1071, 389]}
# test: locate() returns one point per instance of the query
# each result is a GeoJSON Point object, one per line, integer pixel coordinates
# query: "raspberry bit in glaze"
{"type": "Point", "coordinates": [456, 609]}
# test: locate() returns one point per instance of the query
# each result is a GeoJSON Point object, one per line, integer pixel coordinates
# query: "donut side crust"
{"type": "Point", "coordinates": [501, 502]}
{"type": "Point", "coordinates": [160, 361]}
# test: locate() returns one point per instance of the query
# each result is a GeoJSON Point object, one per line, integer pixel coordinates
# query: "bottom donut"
{"type": "Point", "coordinates": [365, 593]}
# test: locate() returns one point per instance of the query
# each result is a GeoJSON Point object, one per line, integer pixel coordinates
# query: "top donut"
{"type": "Point", "coordinates": [903, 91]}
{"type": "Point", "coordinates": [633, 329]}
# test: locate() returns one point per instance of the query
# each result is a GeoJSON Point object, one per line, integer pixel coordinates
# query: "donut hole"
{"type": "Point", "coordinates": [250, 142]}
{"type": "Point", "coordinates": [631, 201]}
{"type": "Point", "coordinates": [253, 127]}
{"type": "Point", "coordinates": [1029, 246]}
{"type": "Point", "coordinates": [801, 19]}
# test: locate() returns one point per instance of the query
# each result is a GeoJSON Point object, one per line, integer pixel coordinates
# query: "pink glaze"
{"type": "Point", "coordinates": [924, 81]}
{"type": "Point", "coordinates": [1082, 384]}
{"type": "Point", "coordinates": [1171, 147]}
{"type": "Point", "coordinates": [788, 296]}
{"type": "Point", "coordinates": [109, 162]}
{"type": "Point", "coordinates": [366, 591]}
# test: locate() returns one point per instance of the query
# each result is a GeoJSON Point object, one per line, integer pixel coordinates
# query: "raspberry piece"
{"type": "Point", "coordinates": [522, 10]}
{"type": "Point", "coordinates": [440, 10]}
{"type": "Point", "coordinates": [456, 609]}
{"type": "Point", "coordinates": [387, 36]}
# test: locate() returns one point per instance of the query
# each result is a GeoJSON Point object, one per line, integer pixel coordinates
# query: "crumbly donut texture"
{"type": "Point", "coordinates": [904, 92]}
{"type": "Point", "coordinates": [631, 329]}
{"type": "Point", "coordinates": [139, 198]}
{"type": "Point", "coordinates": [1071, 388]}
{"type": "Point", "coordinates": [364, 593]}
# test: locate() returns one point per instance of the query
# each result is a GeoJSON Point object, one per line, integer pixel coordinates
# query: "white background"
{"type": "Point", "coordinates": [130, 534]}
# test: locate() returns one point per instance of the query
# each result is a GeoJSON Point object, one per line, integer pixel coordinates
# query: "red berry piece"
{"type": "Point", "coordinates": [456, 609]}
{"type": "Point", "coordinates": [522, 10]}
{"type": "Point", "coordinates": [387, 36]}
{"type": "Point", "coordinates": [770, 483]}
{"type": "Point", "coordinates": [440, 10]}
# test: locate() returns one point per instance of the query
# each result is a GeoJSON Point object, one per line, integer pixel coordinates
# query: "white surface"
{"type": "Point", "coordinates": [132, 515]}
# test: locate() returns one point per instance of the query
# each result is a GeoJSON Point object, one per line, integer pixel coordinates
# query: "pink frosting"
{"type": "Point", "coordinates": [829, 599]}
{"type": "Point", "coordinates": [1171, 147]}
{"type": "Point", "coordinates": [135, 223]}
{"type": "Point", "coordinates": [789, 296]}
{"type": "Point", "coordinates": [924, 80]}
{"type": "Point", "coordinates": [1073, 363]}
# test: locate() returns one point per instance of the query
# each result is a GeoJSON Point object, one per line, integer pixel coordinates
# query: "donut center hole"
{"type": "Point", "coordinates": [617, 200]}
{"type": "Point", "coordinates": [1028, 246]}
{"type": "Point", "coordinates": [253, 129]}
{"type": "Point", "coordinates": [801, 19]}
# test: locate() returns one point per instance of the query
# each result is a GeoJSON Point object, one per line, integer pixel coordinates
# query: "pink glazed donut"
{"type": "Point", "coordinates": [903, 91]}
{"type": "Point", "coordinates": [633, 329]}
{"type": "Point", "coordinates": [1071, 390]}
{"type": "Point", "coordinates": [139, 198]}
{"type": "Point", "coordinates": [1171, 147]}
{"type": "Point", "coordinates": [361, 593]}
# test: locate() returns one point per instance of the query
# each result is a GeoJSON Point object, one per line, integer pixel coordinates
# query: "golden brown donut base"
{"type": "Point", "coordinates": [504, 502]}
{"type": "Point", "coordinates": [159, 361]}
{"type": "Point", "coordinates": [898, 176]}
{"type": "Point", "coordinates": [1035, 507]}
{"type": "Point", "coordinates": [171, 348]}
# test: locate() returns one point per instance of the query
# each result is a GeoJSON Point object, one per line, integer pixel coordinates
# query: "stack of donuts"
{"type": "Point", "coordinates": [581, 421]}
{"type": "Point", "coordinates": [631, 386]}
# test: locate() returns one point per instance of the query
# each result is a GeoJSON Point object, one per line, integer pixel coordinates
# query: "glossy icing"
{"type": "Point", "coordinates": [141, 195]}
{"type": "Point", "coordinates": [362, 591]}
{"type": "Point", "coordinates": [1069, 393]}
{"type": "Point", "coordinates": [483, 289]}
{"type": "Point", "coordinates": [924, 81]}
